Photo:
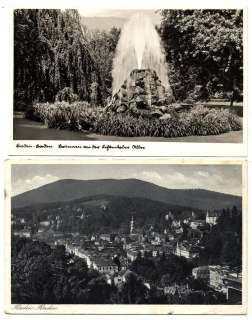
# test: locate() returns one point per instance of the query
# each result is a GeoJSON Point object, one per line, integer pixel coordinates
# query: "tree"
{"type": "Point", "coordinates": [145, 267]}
{"type": "Point", "coordinates": [50, 53]}
{"type": "Point", "coordinates": [40, 274]}
{"type": "Point", "coordinates": [99, 291]}
{"type": "Point", "coordinates": [204, 48]}
{"type": "Point", "coordinates": [133, 291]}
{"type": "Point", "coordinates": [223, 244]}
{"type": "Point", "coordinates": [102, 45]}
{"type": "Point", "coordinates": [31, 273]}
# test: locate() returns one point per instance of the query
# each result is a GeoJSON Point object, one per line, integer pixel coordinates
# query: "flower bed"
{"type": "Point", "coordinates": [79, 116]}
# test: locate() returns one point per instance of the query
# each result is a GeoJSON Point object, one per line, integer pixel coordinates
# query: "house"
{"type": "Point", "coordinates": [104, 266]}
{"type": "Point", "coordinates": [201, 273]}
{"type": "Point", "coordinates": [169, 216]}
{"type": "Point", "coordinates": [132, 254]}
{"type": "Point", "coordinates": [197, 223]}
{"type": "Point", "coordinates": [169, 248]}
{"type": "Point", "coordinates": [134, 237]}
{"type": "Point", "coordinates": [179, 230]}
{"type": "Point", "coordinates": [221, 279]}
{"type": "Point", "coordinates": [155, 242]}
{"type": "Point", "coordinates": [195, 234]}
{"type": "Point", "coordinates": [80, 252]}
{"type": "Point", "coordinates": [170, 236]}
{"type": "Point", "coordinates": [186, 220]}
{"type": "Point", "coordinates": [180, 289]}
{"type": "Point", "coordinates": [105, 237]}
{"type": "Point", "coordinates": [71, 248]}
{"type": "Point", "coordinates": [41, 229]}
{"type": "Point", "coordinates": [45, 223]}
{"type": "Point", "coordinates": [184, 249]}
{"type": "Point", "coordinates": [100, 247]}
{"type": "Point", "coordinates": [127, 244]}
{"type": "Point", "coordinates": [117, 238]}
{"type": "Point", "coordinates": [93, 238]}
{"type": "Point", "coordinates": [154, 252]}
{"type": "Point", "coordinates": [23, 233]}
{"type": "Point", "coordinates": [216, 276]}
{"type": "Point", "coordinates": [233, 284]}
{"type": "Point", "coordinates": [176, 224]}
{"type": "Point", "coordinates": [212, 217]}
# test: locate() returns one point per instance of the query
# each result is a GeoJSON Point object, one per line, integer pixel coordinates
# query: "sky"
{"type": "Point", "coordinates": [126, 14]}
{"type": "Point", "coordinates": [220, 178]}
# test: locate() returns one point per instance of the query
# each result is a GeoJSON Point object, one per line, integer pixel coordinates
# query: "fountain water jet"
{"type": "Point", "coordinates": [139, 47]}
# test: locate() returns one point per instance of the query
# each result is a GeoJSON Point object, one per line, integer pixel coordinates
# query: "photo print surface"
{"type": "Point", "coordinates": [136, 235]}
{"type": "Point", "coordinates": [137, 75]}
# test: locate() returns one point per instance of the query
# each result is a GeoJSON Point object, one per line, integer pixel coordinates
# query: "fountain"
{"type": "Point", "coordinates": [140, 72]}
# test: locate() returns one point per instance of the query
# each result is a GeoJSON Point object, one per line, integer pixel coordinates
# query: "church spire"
{"type": "Point", "coordinates": [131, 225]}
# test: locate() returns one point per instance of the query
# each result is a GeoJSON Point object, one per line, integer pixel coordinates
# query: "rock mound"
{"type": "Point", "coordinates": [142, 94]}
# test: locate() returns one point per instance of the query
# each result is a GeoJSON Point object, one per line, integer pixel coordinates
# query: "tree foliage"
{"type": "Point", "coordinates": [53, 51]}
{"type": "Point", "coordinates": [164, 271]}
{"type": "Point", "coordinates": [40, 274]}
{"type": "Point", "coordinates": [49, 55]}
{"type": "Point", "coordinates": [223, 244]}
{"type": "Point", "coordinates": [204, 48]}
{"type": "Point", "coordinates": [102, 45]}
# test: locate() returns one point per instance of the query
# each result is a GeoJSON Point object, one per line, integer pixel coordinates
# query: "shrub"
{"type": "Point", "coordinates": [79, 116]}
{"type": "Point", "coordinates": [62, 115]}
{"type": "Point", "coordinates": [200, 121]}
{"type": "Point", "coordinates": [67, 95]}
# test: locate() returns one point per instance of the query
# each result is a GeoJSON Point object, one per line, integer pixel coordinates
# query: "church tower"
{"type": "Point", "coordinates": [132, 225]}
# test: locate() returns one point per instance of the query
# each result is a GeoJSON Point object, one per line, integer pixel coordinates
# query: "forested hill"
{"type": "Point", "coordinates": [67, 190]}
{"type": "Point", "coordinates": [107, 213]}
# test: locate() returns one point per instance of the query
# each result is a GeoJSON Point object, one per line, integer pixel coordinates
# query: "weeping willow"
{"type": "Point", "coordinates": [50, 53]}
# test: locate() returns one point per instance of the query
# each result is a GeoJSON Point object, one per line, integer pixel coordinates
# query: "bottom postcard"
{"type": "Point", "coordinates": [126, 237]}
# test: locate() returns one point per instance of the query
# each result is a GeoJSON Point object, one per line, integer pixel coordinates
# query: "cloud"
{"type": "Point", "coordinates": [168, 180]}
{"type": "Point", "coordinates": [203, 174]}
{"type": "Point", "coordinates": [200, 179]}
{"type": "Point", "coordinates": [21, 185]}
{"type": "Point", "coordinates": [151, 176]}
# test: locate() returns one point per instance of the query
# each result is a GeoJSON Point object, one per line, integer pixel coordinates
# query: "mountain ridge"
{"type": "Point", "coordinates": [74, 189]}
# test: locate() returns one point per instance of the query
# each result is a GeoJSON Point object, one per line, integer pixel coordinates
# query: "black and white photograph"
{"type": "Point", "coordinates": [125, 158]}
{"type": "Point", "coordinates": [166, 75]}
{"type": "Point", "coordinates": [141, 233]}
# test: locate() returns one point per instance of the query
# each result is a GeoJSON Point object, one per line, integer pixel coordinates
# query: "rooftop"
{"type": "Point", "coordinates": [104, 263]}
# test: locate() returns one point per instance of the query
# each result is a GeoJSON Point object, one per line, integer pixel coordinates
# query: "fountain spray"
{"type": "Point", "coordinates": [139, 47]}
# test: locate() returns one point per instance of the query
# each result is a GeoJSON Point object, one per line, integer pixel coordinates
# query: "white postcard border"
{"type": "Point", "coordinates": [124, 309]}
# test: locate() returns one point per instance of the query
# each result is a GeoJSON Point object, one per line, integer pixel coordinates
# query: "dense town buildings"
{"type": "Point", "coordinates": [111, 254]}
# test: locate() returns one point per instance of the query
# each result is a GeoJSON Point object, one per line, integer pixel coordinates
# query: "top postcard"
{"type": "Point", "coordinates": [129, 82]}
